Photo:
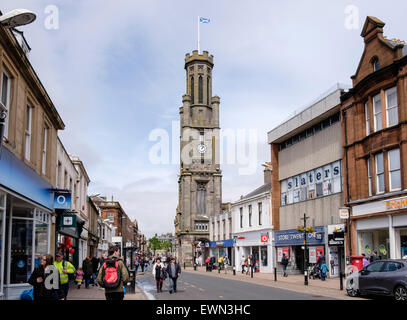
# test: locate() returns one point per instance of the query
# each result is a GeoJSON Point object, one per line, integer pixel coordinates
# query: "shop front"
{"type": "Point", "coordinates": [26, 224]}
{"type": "Point", "coordinates": [221, 248]}
{"type": "Point", "coordinates": [385, 232]}
{"type": "Point", "coordinates": [258, 243]}
{"type": "Point", "coordinates": [291, 243]}
{"type": "Point", "coordinates": [336, 251]}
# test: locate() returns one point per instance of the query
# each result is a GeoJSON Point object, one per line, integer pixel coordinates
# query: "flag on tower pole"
{"type": "Point", "coordinates": [201, 20]}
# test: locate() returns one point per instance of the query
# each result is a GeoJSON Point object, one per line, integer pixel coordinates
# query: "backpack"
{"type": "Point", "coordinates": [111, 274]}
{"type": "Point", "coordinates": [27, 295]}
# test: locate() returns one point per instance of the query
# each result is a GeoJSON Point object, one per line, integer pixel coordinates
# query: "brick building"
{"type": "Point", "coordinates": [374, 132]}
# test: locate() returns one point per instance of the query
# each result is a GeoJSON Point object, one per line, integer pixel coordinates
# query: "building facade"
{"type": "Point", "coordinates": [306, 157]}
{"type": "Point", "coordinates": [253, 227]}
{"type": "Point", "coordinates": [374, 131]}
{"type": "Point", "coordinates": [200, 178]}
{"type": "Point", "coordinates": [93, 233]}
{"type": "Point", "coordinates": [29, 124]}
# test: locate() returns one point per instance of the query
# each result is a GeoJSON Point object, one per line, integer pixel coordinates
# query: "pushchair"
{"type": "Point", "coordinates": [314, 272]}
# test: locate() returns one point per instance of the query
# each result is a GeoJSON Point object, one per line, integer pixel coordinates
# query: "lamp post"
{"type": "Point", "coordinates": [305, 230]}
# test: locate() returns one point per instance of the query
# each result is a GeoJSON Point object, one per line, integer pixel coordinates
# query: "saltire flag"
{"type": "Point", "coordinates": [204, 20]}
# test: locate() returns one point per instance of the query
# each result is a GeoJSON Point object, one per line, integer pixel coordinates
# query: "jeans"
{"type": "Point", "coordinates": [323, 276]}
{"type": "Point", "coordinates": [173, 284]}
{"type": "Point", "coordinates": [284, 271]}
{"type": "Point", "coordinates": [95, 276]}
{"type": "Point", "coordinates": [65, 289]}
{"type": "Point", "coordinates": [87, 280]}
{"type": "Point", "coordinates": [114, 296]}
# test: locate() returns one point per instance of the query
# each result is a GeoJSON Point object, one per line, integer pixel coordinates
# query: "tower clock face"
{"type": "Point", "coordinates": [201, 148]}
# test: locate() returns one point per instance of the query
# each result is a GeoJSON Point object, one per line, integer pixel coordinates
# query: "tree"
{"type": "Point", "coordinates": [154, 244]}
{"type": "Point", "coordinates": [166, 245]}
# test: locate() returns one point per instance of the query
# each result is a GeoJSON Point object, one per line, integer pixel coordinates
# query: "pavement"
{"type": "Point", "coordinates": [97, 293]}
{"type": "Point", "coordinates": [329, 288]}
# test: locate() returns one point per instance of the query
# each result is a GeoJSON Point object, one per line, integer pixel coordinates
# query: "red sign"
{"type": "Point", "coordinates": [241, 238]}
{"type": "Point", "coordinates": [264, 238]}
{"type": "Point", "coordinates": [320, 251]}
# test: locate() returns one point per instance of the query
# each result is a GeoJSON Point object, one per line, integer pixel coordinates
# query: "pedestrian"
{"type": "Point", "coordinates": [247, 264]}
{"type": "Point", "coordinates": [102, 259]}
{"type": "Point", "coordinates": [113, 275]}
{"type": "Point", "coordinates": [137, 263]}
{"type": "Point", "coordinates": [320, 259]}
{"type": "Point", "coordinates": [87, 267]}
{"type": "Point", "coordinates": [95, 265]}
{"type": "Point", "coordinates": [253, 262]}
{"type": "Point", "coordinates": [173, 271]}
{"type": "Point", "coordinates": [365, 261]}
{"type": "Point", "coordinates": [159, 274]}
{"type": "Point", "coordinates": [226, 263]}
{"type": "Point", "coordinates": [207, 262]}
{"type": "Point", "coordinates": [374, 257]}
{"type": "Point", "coordinates": [332, 266]}
{"type": "Point", "coordinates": [79, 277]}
{"type": "Point", "coordinates": [37, 280]}
{"type": "Point", "coordinates": [284, 262]}
{"type": "Point", "coordinates": [324, 270]}
{"type": "Point", "coordinates": [64, 268]}
{"type": "Point", "coordinates": [220, 262]}
{"type": "Point", "coordinates": [242, 263]}
{"type": "Point", "coordinates": [142, 263]}
{"type": "Point", "coordinates": [212, 263]}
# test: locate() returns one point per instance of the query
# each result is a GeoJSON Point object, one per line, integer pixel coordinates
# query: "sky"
{"type": "Point", "coordinates": [115, 72]}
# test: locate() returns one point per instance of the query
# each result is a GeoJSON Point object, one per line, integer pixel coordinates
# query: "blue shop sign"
{"type": "Point", "coordinates": [16, 176]}
{"type": "Point", "coordinates": [223, 243]}
{"type": "Point", "coordinates": [62, 200]}
{"type": "Point", "coordinates": [295, 238]}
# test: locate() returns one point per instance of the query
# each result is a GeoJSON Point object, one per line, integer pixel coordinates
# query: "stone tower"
{"type": "Point", "coordinates": [200, 178]}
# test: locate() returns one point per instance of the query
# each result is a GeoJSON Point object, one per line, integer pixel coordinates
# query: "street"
{"type": "Point", "coordinates": [204, 287]}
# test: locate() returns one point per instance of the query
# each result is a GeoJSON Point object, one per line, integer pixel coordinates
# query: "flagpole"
{"type": "Point", "coordinates": [199, 38]}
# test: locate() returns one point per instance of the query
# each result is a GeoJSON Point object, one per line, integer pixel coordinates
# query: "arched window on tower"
{"type": "Point", "coordinates": [200, 90]}
{"type": "Point", "coordinates": [192, 90]}
{"type": "Point", "coordinates": [201, 198]}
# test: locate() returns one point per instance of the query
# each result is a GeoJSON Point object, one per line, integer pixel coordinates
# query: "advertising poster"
{"type": "Point", "coordinates": [312, 255]}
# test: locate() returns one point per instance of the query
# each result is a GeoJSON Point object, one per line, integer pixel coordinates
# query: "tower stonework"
{"type": "Point", "coordinates": [200, 177]}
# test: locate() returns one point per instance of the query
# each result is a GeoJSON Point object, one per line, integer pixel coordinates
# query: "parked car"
{"type": "Point", "coordinates": [382, 277]}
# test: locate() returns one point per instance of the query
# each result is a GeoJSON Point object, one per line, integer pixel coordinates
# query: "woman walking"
{"type": "Point", "coordinates": [159, 274]}
{"type": "Point", "coordinates": [37, 280]}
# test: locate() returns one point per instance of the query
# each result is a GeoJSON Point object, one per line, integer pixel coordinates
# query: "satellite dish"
{"type": "Point", "coordinates": [16, 18]}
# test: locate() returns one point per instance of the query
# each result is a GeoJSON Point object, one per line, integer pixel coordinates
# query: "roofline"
{"type": "Point", "coordinates": [260, 195]}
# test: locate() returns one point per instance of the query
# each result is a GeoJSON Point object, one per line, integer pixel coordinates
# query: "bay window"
{"type": "Point", "coordinates": [391, 107]}
{"type": "Point", "coordinates": [394, 169]}
{"type": "Point", "coordinates": [377, 110]}
{"type": "Point", "coordinates": [379, 173]}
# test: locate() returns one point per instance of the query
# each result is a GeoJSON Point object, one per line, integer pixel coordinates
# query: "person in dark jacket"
{"type": "Point", "coordinates": [173, 271]}
{"type": "Point", "coordinates": [253, 263]}
{"type": "Point", "coordinates": [87, 267]}
{"type": "Point", "coordinates": [284, 262]}
{"type": "Point", "coordinates": [37, 280]}
{"type": "Point", "coordinates": [95, 267]}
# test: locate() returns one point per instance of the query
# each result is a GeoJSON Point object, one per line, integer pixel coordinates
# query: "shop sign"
{"type": "Point", "coordinates": [264, 238]}
{"type": "Point", "coordinates": [62, 200]}
{"type": "Point", "coordinates": [294, 238]}
{"type": "Point", "coordinates": [394, 204]}
{"type": "Point", "coordinates": [312, 255]}
{"type": "Point", "coordinates": [336, 235]}
{"type": "Point", "coordinates": [344, 213]}
{"type": "Point", "coordinates": [68, 221]}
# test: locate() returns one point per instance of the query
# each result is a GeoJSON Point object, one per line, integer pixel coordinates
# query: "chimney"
{"type": "Point", "coordinates": [267, 175]}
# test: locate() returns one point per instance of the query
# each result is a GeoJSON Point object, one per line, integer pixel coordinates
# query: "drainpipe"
{"type": "Point", "coordinates": [347, 181]}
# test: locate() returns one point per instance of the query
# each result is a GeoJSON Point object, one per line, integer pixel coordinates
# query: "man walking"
{"type": "Point", "coordinates": [95, 265]}
{"type": "Point", "coordinates": [253, 262]}
{"type": "Point", "coordinates": [113, 275]}
{"type": "Point", "coordinates": [64, 268]}
{"type": "Point", "coordinates": [284, 262]}
{"type": "Point", "coordinates": [242, 263]}
{"type": "Point", "coordinates": [174, 271]}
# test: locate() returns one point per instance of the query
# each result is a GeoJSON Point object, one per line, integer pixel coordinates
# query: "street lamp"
{"type": "Point", "coordinates": [306, 231]}
{"type": "Point", "coordinates": [17, 18]}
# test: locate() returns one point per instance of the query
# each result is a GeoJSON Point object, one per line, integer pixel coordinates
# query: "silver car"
{"type": "Point", "coordinates": [382, 277]}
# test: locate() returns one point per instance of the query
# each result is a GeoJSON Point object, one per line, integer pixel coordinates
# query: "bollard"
{"type": "Point", "coordinates": [251, 272]}
{"type": "Point", "coordinates": [305, 277]}
{"type": "Point", "coordinates": [195, 266]}
{"type": "Point", "coordinates": [340, 281]}
{"type": "Point", "coordinates": [275, 274]}
{"type": "Point", "coordinates": [234, 271]}
{"type": "Point", "coordinates": [219, 269]}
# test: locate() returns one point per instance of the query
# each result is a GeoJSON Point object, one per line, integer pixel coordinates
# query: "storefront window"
{"type": "Point", "coordinates": [21, 250]}
{"type": "Point", "coordinates": [264, 256]}
{"type": "Point", "coordinates": [2, 238]}
{"type": "Point", "coordinates": [403, 242]}
{"type": "Point", "coordinates": [375, 240]}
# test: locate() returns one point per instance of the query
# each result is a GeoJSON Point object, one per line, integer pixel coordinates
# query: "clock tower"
{"type": "Point", "coordinates": [200, 177]}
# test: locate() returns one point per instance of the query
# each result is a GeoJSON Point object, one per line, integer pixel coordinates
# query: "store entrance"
{"type": "Point", "coordinates": [299, 258]}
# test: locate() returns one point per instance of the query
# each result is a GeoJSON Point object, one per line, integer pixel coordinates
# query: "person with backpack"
{"type": "Point", "coordinates": [113, 275]}
{"type": "Point", "coordinates": [173, 271]}
{"type": "Point", "coordinates": [37, 280]}
{"type": "Point", "coordinates": [159, 274]}
{"type": "Point", "coordinates": [324, 270]}
{"type": "Point", "coordinates": [65, 268]}
{"type": "Point", "coordinates": [284, 262]}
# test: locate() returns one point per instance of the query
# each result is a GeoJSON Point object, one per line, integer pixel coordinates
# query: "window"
{"type": "Point", "coordinates": [201, 198]}
{"type": "Point", "coordinates": [2, 235]}
{"type": "Point", "coordinates": [260, 212]}
{"type": "Point", "coordinates": [110, 216]}
{"type": "Point", "coordinates": [392, 266]}
{"type": "Point", "coordinates": [5, 98]}
{"type": "Point", "coordinates": [379, 173]}
{"type": "Point", "coordinates": [28, 129]}
{"type": "Point", "coordinates": [369, 175]}
{"type": "Point", "coordinates": [250, 215]}
{"type": "Point", "coordinates": [367, 117]}
{"type": "Point", "coordinates": [375, 64]}
{"type": "Point", "coordinates": [192, 90]}
{"type": "Point", "coordinates": [208, 97]}
{"type": "Point", "coordinates": [44, 150]}
{"type": "Point", "coordinates": [394, 169]}
{"type": "Point", "coordinates": [377, 106]}
{"type": "Point", "coordinates": [241, 217]}
{"type": "Point", "coordinates": [391, 107]}
{"type": "Point", "coordinates": [375, 266]}
{"type": "Point", "coordinates": [200, 90]}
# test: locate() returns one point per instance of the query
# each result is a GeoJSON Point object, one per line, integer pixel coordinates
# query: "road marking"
{"type": "Point", "coordinates": [200, 289]}
{"type": "Point", "coordinates": [186, 283]}
{"type": "Point", "coordinates": [221, 297]}
{"type": "Point", "coordinates": [193, 286]}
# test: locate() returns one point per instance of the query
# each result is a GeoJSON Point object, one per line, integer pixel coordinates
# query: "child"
{"type": "Point", "coordinates": [324, 270]}
{"type": "Point", "coordinates": [79, 277]}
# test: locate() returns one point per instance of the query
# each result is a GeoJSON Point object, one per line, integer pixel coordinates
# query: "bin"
{"type": "Point", "coordinates": [357, 261]}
